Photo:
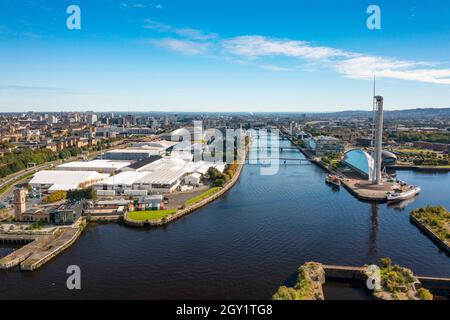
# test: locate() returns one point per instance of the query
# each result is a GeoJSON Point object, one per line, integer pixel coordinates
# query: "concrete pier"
{"type": "Point", "coordinates": [38, 249]}
{"type": "Point", "coordinates": [18, 256]}
{"type": "Point", "coordinates": [64, 239]}
{"type": "Point", "coordinates": [439, 286]}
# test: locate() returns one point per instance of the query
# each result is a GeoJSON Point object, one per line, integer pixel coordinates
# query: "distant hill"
{"type": "Point", "coordinates": [423, 113]}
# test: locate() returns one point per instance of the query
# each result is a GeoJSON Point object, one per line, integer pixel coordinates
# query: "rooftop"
{"type": "Point", "coordinates": [95, 164]}
{"type": "Point", "coordinates": [142, 163]}
{"type": "Point", "coordinates": [65, 180]}
{"type": "Point", "coordinates": [124, 178]}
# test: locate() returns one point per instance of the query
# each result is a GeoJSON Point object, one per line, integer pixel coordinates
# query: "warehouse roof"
{"type": "Point", "coordinates": [142, 163]}
{"type": "Point", "coordinates": [124, 178]}
{"type": "Point", "coordinates": [95, 164]}
{"type": "Point", "coordinates": [165, 171]}
{"type": "Point", "coordinates": [66, 180]}
{"type": "Point", "coordinates": [162, 176]}
{"type": "Point", "coordinates": [131, 150]}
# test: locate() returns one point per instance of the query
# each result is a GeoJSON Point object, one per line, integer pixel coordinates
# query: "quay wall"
{"type": "Point", "coordinates": [345, 273]}
{"type": "Point", "coordinates": [436, 285]}
{"type": "Point", "coordinates": [32, 264]}
{"type": "Point", "coordinates": [23, 253]}
{"type": "Point", "coordinates": [430, 234]}
{"type": "Point", "coordinates": [420, 168]}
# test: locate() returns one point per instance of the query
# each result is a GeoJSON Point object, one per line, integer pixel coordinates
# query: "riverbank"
{"type": "Point", "coordinates": [435, 223]}
{"type": "Point", "coordinates": [420, 168]}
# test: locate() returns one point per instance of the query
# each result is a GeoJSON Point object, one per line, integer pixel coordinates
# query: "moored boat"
{"type": "Point", "coordinates": [400, 195]}
{"type": "Point", "coordinates": [333, 180]}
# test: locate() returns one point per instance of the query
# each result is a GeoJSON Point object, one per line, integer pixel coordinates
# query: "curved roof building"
{"type": "Point", "coordinates": [364, 164]}
{"type": "Point", "coordinates": [360, 161]}
{"type": "Point", "coordinates": [388, 158]}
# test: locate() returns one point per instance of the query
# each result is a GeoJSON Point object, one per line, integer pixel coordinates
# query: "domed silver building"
{"type": "Point", "coordinates": [364, 164]}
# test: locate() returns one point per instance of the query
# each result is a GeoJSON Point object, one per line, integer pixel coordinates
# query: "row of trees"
{"type": "Point", "coordinates": [18, 160]}
{"type": "Point", "coordinates": [55, 197]}
{"type": "Point", "coordinates": [88, 194]}
{"type": "Point", "coordinates": [438, 137]}
{"type": "Point", "coordinates": [218, 178]}
{"type": "Point", "coordinates": [431, 162]}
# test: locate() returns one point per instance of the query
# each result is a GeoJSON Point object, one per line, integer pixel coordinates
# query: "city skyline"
{"type": "Point", "coordinates": [170, 56]}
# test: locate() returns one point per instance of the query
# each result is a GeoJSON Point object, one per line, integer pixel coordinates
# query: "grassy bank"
{"type": "Point", "coordinates": [149, 215]}
{"type": "Point", "coordinates": [202, 196]}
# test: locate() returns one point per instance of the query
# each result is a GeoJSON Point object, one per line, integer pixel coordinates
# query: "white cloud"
{"type": "Point", "coordinates": [186, 47]}
{"type": "Point", "coordinates": [190, 33]}
{"type": "Point", "coordinates": [257, 46]}
{"type": "Point", "coordinates": [350, 64]}
{"type": "Point", "coordinates": [365, 67]}
{"type": "Point", "coordinates": [140, 5]}
{"type": "Point", "coordinates": [155, 25]}
{"type": "Point", "coordinates": [195, 34]}
{"type": "Point", "coordinates": [259, 49]}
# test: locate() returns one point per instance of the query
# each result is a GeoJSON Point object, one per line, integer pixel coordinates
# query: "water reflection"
{"type": "Point", "coordinates": [373, 235]}
{"type": "Point", "coordinates": [401, 206]}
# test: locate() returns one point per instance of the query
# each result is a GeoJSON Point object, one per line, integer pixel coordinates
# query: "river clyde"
{"type": "Point", "coordinates": [244, 245]}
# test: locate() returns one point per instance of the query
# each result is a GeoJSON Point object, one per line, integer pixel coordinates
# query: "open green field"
{"type": "Point", "coordinates": [202, 196]}
{"type": "Point", "coordinates": [149, 215]}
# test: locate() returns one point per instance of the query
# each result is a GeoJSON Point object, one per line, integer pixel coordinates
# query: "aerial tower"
{"type": "Point", "coordinates": [378, 138]}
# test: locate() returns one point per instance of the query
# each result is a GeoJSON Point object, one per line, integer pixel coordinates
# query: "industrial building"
{"type": "Point", "coordinates": [157, 177]}
{"type": "Point", "coordinates": [120, 182]}
{"type": "Point", "coordinates": [130, 154]}
{"type": "Point", "coordinates": [58, 180]}
{"type": "Point", "coordinates": [102, 166]}
{"type": "Point", "coordinates": [162, 180]}
{"type": "Point", "coordinates": [142, 164]}
{"type": "Point", "coordinates": [141, 151]}
{"type": "Point", "coordinates": [193, 179]}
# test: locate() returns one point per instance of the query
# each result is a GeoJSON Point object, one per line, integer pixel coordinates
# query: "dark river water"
{"type": "Point", "coordinates": [244, 245]}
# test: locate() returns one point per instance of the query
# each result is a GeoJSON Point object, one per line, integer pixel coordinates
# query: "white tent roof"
{"type": "Point", "coordinates": [66, 179]}
{"type": "Point", "coordinates": [124, 178]}
{"type": "Point", "coordinates": [95, 164]}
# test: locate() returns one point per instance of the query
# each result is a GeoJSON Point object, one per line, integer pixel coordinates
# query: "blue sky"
{"type": "Point", "coordinates": [222, 55]}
